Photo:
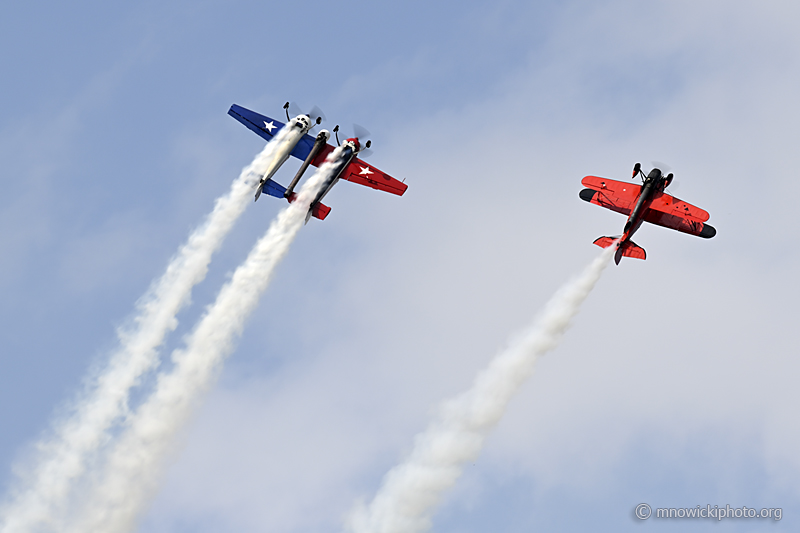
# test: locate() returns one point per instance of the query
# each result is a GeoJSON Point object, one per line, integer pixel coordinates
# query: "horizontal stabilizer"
{"type": "Point", "coordinates": [628, 248]}
{"type": "Point", "coordinates": [275, 189]}
{"type": "Point", "coordinates": [631, 249]}
{"type": "Point", "coordinates": [605, 242]}
{"type": "Point", "coordinates": [319, 210]}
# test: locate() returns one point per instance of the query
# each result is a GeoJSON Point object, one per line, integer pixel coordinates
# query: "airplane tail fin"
{"type": "Point", "coordinates": [628, 248]}
{"type": "Point", "coordinates": [318, 210]}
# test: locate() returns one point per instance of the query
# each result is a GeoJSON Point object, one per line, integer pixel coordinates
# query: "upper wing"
{"type": "Point", "coordinates": [674, 206]}
{"type": "Point", "coordinates": [676, 214]}
{"type": "Point", "coordinates": [364, 174]}
{"type": "Point", "coordinates": [611, 194]}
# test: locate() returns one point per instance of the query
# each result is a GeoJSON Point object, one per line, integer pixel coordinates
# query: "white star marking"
{"type": "Point", "coordinates": [365, 171]}
{"type": "Point", "coordinates": [269, 126]}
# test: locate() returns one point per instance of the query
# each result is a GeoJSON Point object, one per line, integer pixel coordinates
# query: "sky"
{"type": "Point", "coordinates": [675, 386]}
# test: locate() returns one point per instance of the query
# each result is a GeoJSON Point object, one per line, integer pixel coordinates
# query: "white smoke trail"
{"type": "Point", "coordinates": [412, 489]}
{"type": "Point", "coordinates": [62, 457]}
{"type": "Point", "coordinates": [133, 466]}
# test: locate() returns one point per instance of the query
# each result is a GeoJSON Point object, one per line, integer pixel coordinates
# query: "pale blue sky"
{"type": "Point", "coordinates": [676, 385]}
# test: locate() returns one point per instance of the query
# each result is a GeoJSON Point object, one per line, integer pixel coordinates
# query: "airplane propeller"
{"type": "Point", "coordinates": [360, 132]}
{"type": "Point", "coordinates": [316, 115]}
{"type": "Point", "coordinates": [666, 169]}
{"type": "Point", "coordinates": [673, 186]}
{"type": "Point", "coordinates": [663, 167]}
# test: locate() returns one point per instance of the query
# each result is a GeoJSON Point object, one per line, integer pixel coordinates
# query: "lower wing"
{"type": "Point", "coordinates": [674, 213]}
{"type": "Point", "coordinates": [680, 223]}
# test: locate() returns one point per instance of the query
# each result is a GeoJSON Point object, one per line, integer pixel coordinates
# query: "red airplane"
{"type": "Point", "coordinates": [645, 203]}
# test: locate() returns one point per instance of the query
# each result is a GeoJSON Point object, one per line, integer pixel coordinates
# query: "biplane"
{"type": "Point", "coordinates": [643, 203]}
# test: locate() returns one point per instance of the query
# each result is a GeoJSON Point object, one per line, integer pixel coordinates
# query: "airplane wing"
{"type": "Point", "coordinates": [267, 127]}
{"type": "Point", "coordinates": [360, 172]}
{"type": "Point", "coordinates": [364, 174]}
{"type": "Point", "coordinates": [321, 156]}
{"type": "Point", "coordinates": [263, 126]}
{"type": "Point", "coordinates": [618, 196]}
{"type": "Point", "coordinates": [674, 213]}
{"type": "Point", "coordinates": [674, 206]}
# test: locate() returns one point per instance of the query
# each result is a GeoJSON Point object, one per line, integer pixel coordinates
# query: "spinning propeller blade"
{"type": "Point", "coordinates": [316, 115]}
{"type": "Point", "coordinates": [362, 135]}
{"type": "Point", "coordinates": [360, 131]}
{"type": "Point", "coordinates": [663, 167]}
{"type": "Point", "coordinates": [666, 169]}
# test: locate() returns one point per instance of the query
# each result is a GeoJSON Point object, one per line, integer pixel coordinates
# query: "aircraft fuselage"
{"type": "Point", "coordinates": [350, 148]}
{"type": "Point", "coordinates": [654, 184]}
{"type": "Point", "coordinates": [297, 127]}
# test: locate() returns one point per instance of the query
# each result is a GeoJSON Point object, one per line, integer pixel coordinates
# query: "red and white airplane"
{"type": "Point", "coordinates": [645, 203]}
{"type": "Point", "coordinates": [314, 151]}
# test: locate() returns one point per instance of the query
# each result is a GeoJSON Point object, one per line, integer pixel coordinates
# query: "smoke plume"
{"type": "Point", "coordinates": [46, 485]}
{"type": "Point", "coordinates": [410, 491]}
{"type": "Point", "coordinates": [134, 463]}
